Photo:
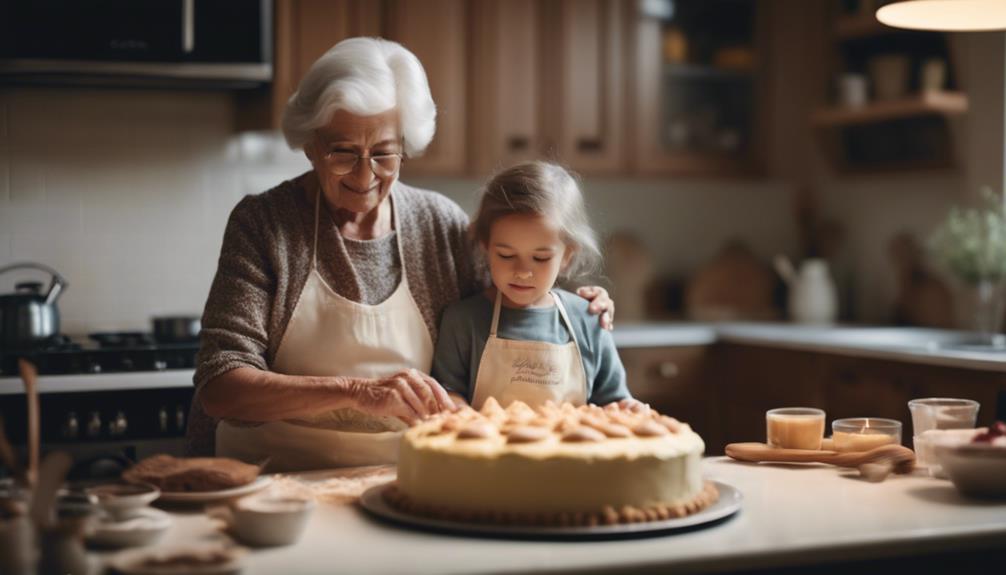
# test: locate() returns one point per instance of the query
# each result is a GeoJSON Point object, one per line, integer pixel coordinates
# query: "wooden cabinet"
{"type": "Point", "coordinates": [547, 83]}
{"type": "Point", "coordinates": [304, 30]}
{"type": "Point", "coordinates": [673, 381]}
{"type": "Point", "coordinates": [903, 98]}
{"type": "Point", "coordinates": [699, 73]}
{"type": "Point", "coordinates": [752, 380]}
{"type": "Point", "coordinates": [507, 76]}
{"type": "Point", "coordinates": [436, 31]}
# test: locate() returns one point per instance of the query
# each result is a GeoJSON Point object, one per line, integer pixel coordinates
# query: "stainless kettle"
{"type": "Point", "coordinates": [28, 317]}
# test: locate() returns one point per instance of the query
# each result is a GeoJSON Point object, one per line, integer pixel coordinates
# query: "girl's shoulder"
{"type": "Point", "coordinates": [467, 311]}
{"type": "Point", "coordinates": [575, 305]}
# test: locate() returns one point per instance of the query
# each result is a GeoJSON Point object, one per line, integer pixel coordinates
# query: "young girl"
{"type": "Point", "coordinates": [523, 339]}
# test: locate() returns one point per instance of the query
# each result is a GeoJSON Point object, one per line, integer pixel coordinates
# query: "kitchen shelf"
{"type": "Point", "coordinates": [924, 104]}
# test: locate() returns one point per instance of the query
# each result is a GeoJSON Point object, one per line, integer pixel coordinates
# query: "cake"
{"type": "Point", "coordinates": [551, 465]}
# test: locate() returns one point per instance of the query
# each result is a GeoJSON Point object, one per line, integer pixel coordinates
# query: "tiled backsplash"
{"type": "Point", "coordinates": [127, 193]}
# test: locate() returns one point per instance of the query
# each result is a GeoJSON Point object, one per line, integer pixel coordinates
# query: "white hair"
{"type": "Point", "coordinates": [364, 76]}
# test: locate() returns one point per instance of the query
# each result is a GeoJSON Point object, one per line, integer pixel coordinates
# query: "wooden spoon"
{"type": "Point", "coordinates": [51, 475]}
{"type": "Point", "coordinates": [899, 457]}
{"type": "Point", "coordinates": [30, 377]}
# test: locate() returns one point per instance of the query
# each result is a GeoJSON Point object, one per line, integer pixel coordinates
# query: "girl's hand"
{"type": "Point", "coordinates": [409, 395]}
{"type": "Point", "coordinates": [633, 405]}
{"type": "Point", "coordinates": [600, 303]}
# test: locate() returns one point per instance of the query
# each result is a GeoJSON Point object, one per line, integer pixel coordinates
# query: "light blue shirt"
{"type": "Point", "coordinates": [464, 331]}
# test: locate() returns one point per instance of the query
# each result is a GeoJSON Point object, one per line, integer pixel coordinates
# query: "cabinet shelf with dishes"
{"type": "Point", "coordinates": [896, 98]}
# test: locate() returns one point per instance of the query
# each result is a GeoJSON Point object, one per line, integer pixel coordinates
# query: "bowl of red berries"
{"type": "Point", "coordinates": [978, 467]}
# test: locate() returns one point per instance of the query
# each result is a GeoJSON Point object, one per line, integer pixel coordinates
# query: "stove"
{"type": "Point", "coordinates": [108, 400]}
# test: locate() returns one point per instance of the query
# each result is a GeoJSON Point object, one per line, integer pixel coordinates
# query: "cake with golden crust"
{"type": "Point", "coordinates": [554, 465]}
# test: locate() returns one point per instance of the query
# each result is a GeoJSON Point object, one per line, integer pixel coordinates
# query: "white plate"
{"type": "Point", "coordinates": [131, 562]}
{"type": "Point", "coordinates": [143, 527]}
{"type": "Point", "coordinates": [207, 496]}
{"type": "Point", "coordinates": [729, 502]}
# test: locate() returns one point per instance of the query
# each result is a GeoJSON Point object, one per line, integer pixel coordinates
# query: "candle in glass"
{"type": "Point", "coordinates": [864, 433]}
{"type": "Point", "coordinates": [795, 427]}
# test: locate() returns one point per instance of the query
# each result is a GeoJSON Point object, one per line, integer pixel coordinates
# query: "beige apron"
{"type": "Point", "coordinates": [530, 371]}
{"type": "Point", "coordinates": [330, 335]}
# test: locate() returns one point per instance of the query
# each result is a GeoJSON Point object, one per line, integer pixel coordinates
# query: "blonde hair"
{"type": "Point", "coordinates": [364, 76]}
{"type": "Point", "coordinates": [542, 189]}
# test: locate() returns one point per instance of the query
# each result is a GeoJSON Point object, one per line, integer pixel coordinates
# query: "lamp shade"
{"type": "Point", "coordinates": [945, 15]}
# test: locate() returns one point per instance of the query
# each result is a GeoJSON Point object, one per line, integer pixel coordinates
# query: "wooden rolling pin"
{"type": "Point", "coordinates": [900, 458]}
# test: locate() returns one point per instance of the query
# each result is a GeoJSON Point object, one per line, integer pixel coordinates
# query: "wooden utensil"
{"type": "Point", "coordinates": [50, 479]}
{"type": "Point", "coordinates": [9, 459]}
{"type": "Point", "coordinates": [899, 457]}
{"type": "Point", "coordinates": [30, 377]}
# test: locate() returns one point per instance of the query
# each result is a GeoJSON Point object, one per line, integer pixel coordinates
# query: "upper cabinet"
{"type": "Point", "coordinates": [699, 70]}
{"type": "Point", "coordinates": [436, 32]}
{"type": "Point", "coordinates": [610, 87]}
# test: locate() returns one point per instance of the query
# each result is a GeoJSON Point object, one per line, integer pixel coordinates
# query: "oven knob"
{"type": "Point", "coordinates": [160, 365]}
{"type": "Point", "coordinates": [94, 425]}
{"type": "Point", "coordinates": [162, 419]}
{"type": "Point", "coordinates": [71, 427]}
{"type": "Point", "coordinates": [93, 367]}
{"type": "Point", "coordinates": [118, 425]}
{"type": "Point", "coordinates": [180, 417]}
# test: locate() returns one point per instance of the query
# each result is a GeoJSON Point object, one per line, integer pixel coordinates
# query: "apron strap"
{"type": "Point", "coordinates": [565, 318]}
{"type": "Point", "coordinates": [314, 250]}
{"type": "Point", "coordinates": [496, 313]}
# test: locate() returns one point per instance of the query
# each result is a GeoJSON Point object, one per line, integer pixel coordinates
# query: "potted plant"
{"type": "Point", "coordinates": [971, 245]}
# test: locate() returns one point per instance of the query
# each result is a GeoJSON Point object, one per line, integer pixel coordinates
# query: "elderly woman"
{"type": "Point", "coordinates": [319, 327]}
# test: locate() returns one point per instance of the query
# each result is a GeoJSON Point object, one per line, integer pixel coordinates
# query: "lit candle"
{"type": "Point", "coordinates": [864, 433]}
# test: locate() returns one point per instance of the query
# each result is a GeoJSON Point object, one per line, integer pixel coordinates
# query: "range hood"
{"type": "Point", "coordinates": [129, 43]}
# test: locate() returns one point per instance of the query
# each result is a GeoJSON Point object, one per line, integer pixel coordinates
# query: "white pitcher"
{"type": "Point", "coordinates": [812, 297]}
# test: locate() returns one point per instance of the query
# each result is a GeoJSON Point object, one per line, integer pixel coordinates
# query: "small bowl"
{"type": "Point", "coordinates": [266, 521]}
{"type": "Point", "coordinates": [144, 526]}
{"type": "Point", "coordinates": [122, 500]}
{"type": "Point", "coordinates": [976, 469]}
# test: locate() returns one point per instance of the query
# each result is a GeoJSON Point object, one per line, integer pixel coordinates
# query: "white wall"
{"type": "Point", "coordinates": [126, 193]}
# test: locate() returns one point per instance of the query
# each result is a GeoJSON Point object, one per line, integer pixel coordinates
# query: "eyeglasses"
{"type": "Point", "coordinates": [342, 163]}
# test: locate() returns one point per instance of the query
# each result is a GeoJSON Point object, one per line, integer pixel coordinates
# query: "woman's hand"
{"type": "Point", "coordinates": [409, 395]}
{"type": "Point", "coordinates": [600, 303]}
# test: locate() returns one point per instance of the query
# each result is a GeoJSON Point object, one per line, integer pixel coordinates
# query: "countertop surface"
{"type": "Point", "coordinates": [915, 345]}
{"type": "Point", "coordinates": [790, 515]}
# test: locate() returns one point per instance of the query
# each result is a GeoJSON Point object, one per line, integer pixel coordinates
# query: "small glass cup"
{"type": "Point", "coordinates": [938, 413]}
{"type": "Point", "coordinates": [942, 413]}
{"type": "Point", "coordinates": [864, 433]}
{"type": "Point", "coordinates": [795, 427]}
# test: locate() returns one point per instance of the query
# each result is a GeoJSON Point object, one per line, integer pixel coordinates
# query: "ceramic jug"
{"type": "Point", "coordinates": [812, 297]}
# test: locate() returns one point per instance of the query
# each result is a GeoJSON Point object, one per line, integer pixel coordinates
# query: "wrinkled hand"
{"type": "Point", "coordinates": [600, 303]}
{"type": "Point", "coordinates": [409, 395]}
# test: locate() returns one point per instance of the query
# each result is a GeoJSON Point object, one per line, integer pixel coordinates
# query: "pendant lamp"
{"type": "Point", "coordinates": [945, 15]}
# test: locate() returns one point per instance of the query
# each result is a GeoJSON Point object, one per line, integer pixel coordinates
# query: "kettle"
{"type": "Point", "coordinates": [28, 317]}
{"type": "Point", "coordinates": [812, 297]}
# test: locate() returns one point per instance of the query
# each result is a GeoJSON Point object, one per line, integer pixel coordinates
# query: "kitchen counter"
{"type": "Point", "coordinates": [916, 345]}
{"type": "Point", "coordinates": [790, 516]}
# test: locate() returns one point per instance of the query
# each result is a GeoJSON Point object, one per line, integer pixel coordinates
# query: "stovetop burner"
{"type": "Point", "coordinates": [103, 352]}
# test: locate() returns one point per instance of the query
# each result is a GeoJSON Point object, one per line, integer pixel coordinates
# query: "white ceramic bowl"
{"type": "Point", "coordinates": [122, 500]}
{"type": "Point", "coordinates": [977, 469]}
{"type": "Point", "coordinates": [266, 520]}
{"type": "Point", "coordinates": [144, 526]}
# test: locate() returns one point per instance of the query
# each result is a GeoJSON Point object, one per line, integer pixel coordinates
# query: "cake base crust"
{"type": "Point", "coordinates": [607, 515]}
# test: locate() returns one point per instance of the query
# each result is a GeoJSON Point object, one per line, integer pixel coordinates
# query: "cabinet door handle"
{"type": "Point", "coordinates": [518, 143]}
{"type": "Point", "coordinates": [667, 370]}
